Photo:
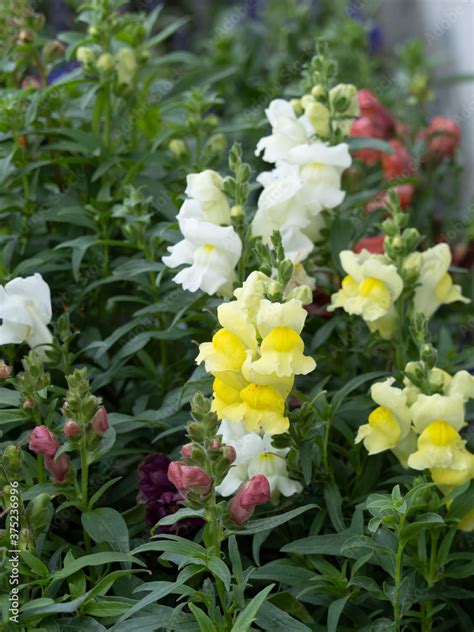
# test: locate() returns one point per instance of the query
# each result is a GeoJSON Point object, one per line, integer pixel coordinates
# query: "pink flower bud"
{"type": "Point", "coordinates": [42, 441]}
{"type": "Point", "coordinates": [254, 492]}
{"type": "Point", "coordinates": [371, 108]}
{"type": "Point", "coordinates": [59, 468]}
{"type": "Point", "coordinates": [215, 444]}
{"type": "Point", "coordinates": [229, 453]}
{"type": "Point", "coordinates": [27, 404]}
{"type": "Point", "coordinates": [187, 451]}
{"type": "Point", "coordinates": [444, 136]}
{"type": "Point", "coordinates": [5, 370]}
{"type": "Point", "coordinates": [72, 429]}
{"type": "Point", "coordinates": [189, 478]}
{"type": "Point", "coordinates": [100, 422]}
{"type": "Point", "coordinates": [366, 128]}
{"type": "Point", "coordinates": [399, 164]}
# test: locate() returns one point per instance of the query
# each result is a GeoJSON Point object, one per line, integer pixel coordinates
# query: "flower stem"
{"type": "Point", "coordinates": [84, 488]}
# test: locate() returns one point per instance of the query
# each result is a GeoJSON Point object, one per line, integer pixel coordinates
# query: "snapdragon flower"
{"type": "Point", "coordinates": [370, 289]}
{"type": "Point", "coordinates": [255, 455]}
{"type": "Point", "coordinates": [25, 311]}
{"type": "Point", "coordinates": [436, 286]}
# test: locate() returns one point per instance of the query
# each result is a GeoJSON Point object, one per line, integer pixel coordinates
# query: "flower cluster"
{"type": "Point", "coordinates": [43, 441]}
{"type": "Point", "coordinates": [211, 248]}
{"type": "Point", "coordinates": [309, 162]}
{"type": "Point", "coordinates": [122, 66]}
{"type": "Point", "coordinates": [376, 278]}
{"type": "Point", "coordinates": [421, 423]}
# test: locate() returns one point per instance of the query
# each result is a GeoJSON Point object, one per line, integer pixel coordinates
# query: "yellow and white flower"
{"type": "Point", "coordinates": [429, 408]}
{"type": "Point", "coordinates": [441, 449]}
{"type": "Point", "coordinates": [389, 424]}
{"type": "Point", "coordinates": [261, 407]}
{"type": "Point", "coordinates": [282, 353]}
{"type": "Point", "coordinates": [435, 283]}
{"type": "Point", "coordinates": [370, 289]}
{"type": "Point", "coordinates": [225, 353]}
{"type": "Point", "coordinates": [255, 455]}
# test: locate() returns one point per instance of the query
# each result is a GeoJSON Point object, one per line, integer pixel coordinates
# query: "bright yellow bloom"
{"type": "Point", "coordinates": [226, 352]}
{"type": "Point", "coordinates": [233, 317]}
{"type": "Point", "coordinates": [224, 395]}
{"type": "Point", "coordinates": [281, 384]}
{"type": "Point", "coordinates": [441, 449]}
{"type": "Point", "coordinates": [467, 523]}
{"type": "Point", "coordinates": [261, 407]}
{"type": "Point", "coordinates": [282, 353]}
{"type": "Point", "coordinates": [272, 315]}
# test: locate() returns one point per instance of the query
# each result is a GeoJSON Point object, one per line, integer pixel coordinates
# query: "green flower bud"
{"type": "Point", "coordinates": [274, 288]}
{"type": "Point", "coordinates": [429, 355]}
{"type": "Point", "coordinates": [237, 211]}
{"type": "Point", "coordinates": [126, 65]}
{"type": "Point", "coordinates": [11, 460]}
{"type": "Point", "coordinates": [53, 50]}
{"type": "Point", "coordinates": [177, 147]}
{"type": "Point", "coordinates": [85, 55]}
{"type": "Point", "coordinates": [318, 91]}
{"type": "Point", "coordinates": [38, 513]}
{"type": "Point", "coordinates": [297, 107]}
{"type": "Point", "coordinates": [389, 227]}
{"type": "Point", "coordinates": [217, 142]}
{"type": "Point", "coordinates": [200, 405]}
{"type": "Point", "coordinates": [412, 265]}
{"type": "Point", "coordinates": [301, 293]}
{"type": "Point", "coordinates": [320, 118]}
{"type": "Point", "coordinates": [212, 120]}
{"type": "Point", "coordinates": [306, 100]}
{"type": "Point", "coordinates": [411, 238]}
{"type": "Point", "coordinates": [105, 63]}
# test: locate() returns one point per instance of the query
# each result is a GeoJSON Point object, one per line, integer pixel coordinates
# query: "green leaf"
{"type": "Point", "coordinates": [204, 622]}
{"type": "Point", "coordinates": [271, 618]}
{"type": "Point", "coordinates": [173, 544]}
{"type": "Point", "coordinates": [36, 565]}
{"type": "Point", "coordinates": [220, 570]}
{"type": "Point", "coordinates": [335, 611]}
{"type": "Point", "coordinates": [254, 526]}
{"type": "Point", "coordinates": [107, 525]}
{"type": "Point", "coordinates": [94, 559]}
{"type": "Point", "coordinates": [461, 505]}
{"type": "Point", "coordinates": [333, 499]}
{"type": "Point", "coordinates": [249, 614]}
{"type": "Point", "coordinates": [184, 512]}
{"type": "Point", "coordinates": [365, 142]}
{"type": "Point", "coordinates": [157, 590]}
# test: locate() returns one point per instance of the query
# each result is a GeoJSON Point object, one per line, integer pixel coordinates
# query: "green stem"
{"type": "Point", "coordinates": [398, 579]}
{"type": "Point", "coordinates": [40, 462]}
{"type": "Point", "coordinates": [84, 488]}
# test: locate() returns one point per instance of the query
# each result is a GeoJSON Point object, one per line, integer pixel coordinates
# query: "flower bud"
{"type": "Point", "coordinates": [389, 227]}
{"type": "Point", "coordinates": [126, 65]}
{"type": "Point", "coordinates": [28, 403]}
{"type": "Point", "coordinates": [5, 370]}
{"type": "Point", "coordinates": [236, 211]}
{"type": "Point", "coordinates": [318, 90]}
{"type": "Point", "coordinates": [444, 136]}
{"type": "Point", "coordinates": [105, 62]}
{"type": "Point", "coordinates": [301, 293]}
{"type": "Point", "coordinates": [26, 36]}
{"type": "Point", "coordinates": [100, 422]}
{"type": "Point", "coordinates": [297, 107]}
{"type": "Point", "coordinates": [37, 512]}
{"type": "Point", "coordinates": [177, 147]}
{"type": "Point", "coordinates": [411, 238]}
{"type": "Point", "coordinates": [412, 265]}
{"type": "Point", "coordinates": [11, 460]}
{"type": "Point", "coordinates": [72, 429]}
{"type": "Point", "coordinates": [187, 450]}
{"type": "Point", "coordinates": [429, 355]}
{"type": "Point", "coordinates": [42, 441]}
{"type": "Point", "coordinates": [85, 55]}
{"type": "Point", "coordinates": [274, 288]}
{"type": "Point", "coordinates": [58, 468]}
{"type": "Point", "coordinates": [52, 50]}
{"type": "Point", "coordinates": [189, 478]}
{"type": "Point", "coordinates": [343, 98]}
{"type": "Point", "coordinates": [229, 453]}
{"type": "Point", "coordinates": [437, 379]}
{"type": "Point", "coordinates": [306, 100]}
{"type": "Point", "coordinates": [217, 142]}
{"type": "Point", "coordinates": [319, 117]}
{"type": "Point", "coordinates": [215, 444]}
{"type": "Point", "coordinates": [254, 492]}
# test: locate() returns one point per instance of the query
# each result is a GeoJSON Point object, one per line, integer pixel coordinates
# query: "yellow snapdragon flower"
{"type": "Point", "coordinates": [282, 353]}
{"type": "Point", "coordinates": [225, 353]}
{"type": "Point", "coordinates": [441, 449]}
{"type": "Point", "coordinates": [370, 289]}
{"type": "Point", "coordinates": [389, 425]}
{"type": "Point", "coordinates": [224, 396]}
{"type": "Point", "coordinates": [429, 408]}
{"type": "Point", "coordinates": [261, 407]}
{"type": "Point", "coordinates": [270, 315]}
{"type": "Point", "coordinates": [436, 286]}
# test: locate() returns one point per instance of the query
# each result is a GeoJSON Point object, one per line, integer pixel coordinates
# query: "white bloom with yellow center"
{"type": "Point", "coordinates": [255, 455]}
{"type": "Point", "coordinates": [207, 195]}
{"type": "Point", "coordinates": [435, 283]}
{"type": "Point", "coordinates": [288, 131]}
{"type": "Point", "coordinates": [261, 407]}
{"type": "Point", "coordinates": [210, 251]}
{"type": "Point", "coordinates": [271, 315]}
{"type": "Point", "coordinates": [429, 408]}
{"type": "Point", "coordinates": [389, 424]}
{"type": "Point", "coordinates": [371, 287]}
{"type": "Point", "coordinates": [441, 449]}
{"type": "Point", "coordinates": [226, 352]}
{"type": "Point", "coordinates": [25, 311]}
{"type": "Point", "coordinates": [235, 318]}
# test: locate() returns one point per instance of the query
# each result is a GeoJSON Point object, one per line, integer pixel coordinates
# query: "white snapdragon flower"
{"type": "Point", "coordinates": [25, 311]}
{"type": "Point", "coordinates": [255, 455]}
{"type": "Point", "coordinates": [435, 283]}
{"type": "Point", "coordinates": [211, 253]}
{"type": "Point", "coordinates": [288, 131]}
{"type": "Point", "coordinates": [206, 194]}
{"type": "Point", "coordinates": [295, 193]}
{"type": "Point", "coordinates": [370, 289]}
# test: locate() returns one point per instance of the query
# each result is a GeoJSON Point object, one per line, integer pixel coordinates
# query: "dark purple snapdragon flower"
{"type": "Point", "coordinates": [161, 496]}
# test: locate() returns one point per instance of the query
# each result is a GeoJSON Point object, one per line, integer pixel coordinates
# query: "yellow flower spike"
{"type": "Point", "coordinates": [282, 352]}
{"type": "Point", "coordinates": [226, 352]}
{"type": "Point", "coordinates": [224, 395]}
{"type": "Point", "coordinates": [261, 407]}
{"type": "Point", "coordinates": [381, 433]}
{"type": "Point", "coordinates": [440, 447]}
